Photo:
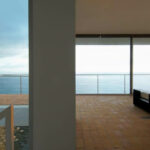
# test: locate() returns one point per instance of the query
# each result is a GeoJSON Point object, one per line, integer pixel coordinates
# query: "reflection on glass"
{"type": "Point", "coordinates": [21, 124]}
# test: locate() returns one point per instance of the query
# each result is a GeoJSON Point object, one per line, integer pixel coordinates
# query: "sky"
{"type": "Point", "coordinates": [111, 59]}
{"type": "Point", "coordinates": [89, 58]}
{"type": "Point", "coordinates": [14, 37]}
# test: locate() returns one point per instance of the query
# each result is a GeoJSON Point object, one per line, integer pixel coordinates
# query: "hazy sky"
{"type": "Point", "coordinates": [111, 59]}
{"type": "Point", "coordinates": [89, 59]}
{"type": "Point", "coordinates": [13, 36]}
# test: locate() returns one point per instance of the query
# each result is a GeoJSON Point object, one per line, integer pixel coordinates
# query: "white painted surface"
{"type": "Point", "coordinates": [52, 73]}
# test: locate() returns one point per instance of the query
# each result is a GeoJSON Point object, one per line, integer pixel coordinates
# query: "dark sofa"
{"type": "Point", "coordinates": [141, 99]}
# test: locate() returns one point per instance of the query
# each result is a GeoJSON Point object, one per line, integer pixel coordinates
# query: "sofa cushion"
{"type": "Point", "coordinates": [144, 95]}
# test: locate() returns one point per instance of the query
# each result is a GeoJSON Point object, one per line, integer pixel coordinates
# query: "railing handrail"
{"type": "Point", "coordinates": [14, 75]}
{"type": "Point", "coordinates": [26, 75]}
{"type": "Point", "coordinates": [8, 113]}
{"type": "Point", "coordinates": [95, 74]}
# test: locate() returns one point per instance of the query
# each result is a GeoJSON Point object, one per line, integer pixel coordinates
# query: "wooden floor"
{"type": "Point", "coordinates": [111, 123]}
{"type": "Point", "coordinates": [104, 122]}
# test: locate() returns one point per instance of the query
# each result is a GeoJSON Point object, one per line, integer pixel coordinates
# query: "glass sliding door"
{"type": "Point", "coordinates": [102, 65]}
{"type": "Point", "coordinates": [141, 63]}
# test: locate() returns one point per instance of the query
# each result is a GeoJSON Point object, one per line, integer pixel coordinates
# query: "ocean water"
{"type": "Point", "coordinates": [14, 85]}
{"type": "Point", "coordinates": [102, 84]}
{"type": "Point", "coordinates": [85, 84]}
{"type": "Point", "coordinates": [110, 83]}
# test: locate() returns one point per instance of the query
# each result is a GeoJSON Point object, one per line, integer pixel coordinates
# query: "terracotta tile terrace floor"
{"type": "Point", "coordinates": [7, 99]}
{"type": "Point", "coordinates": [111, 123]}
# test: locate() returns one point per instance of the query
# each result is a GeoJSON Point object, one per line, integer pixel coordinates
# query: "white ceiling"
{"type": "Point", "coordinates": [112, 16]}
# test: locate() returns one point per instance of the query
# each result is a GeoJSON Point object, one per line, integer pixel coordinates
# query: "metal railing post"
{"type": "Point", "coordinates": [124, 84]}
{"type": "Point", "coordinates": [20, 85]}
{"type": "Point", "coordinates": [97, 84]}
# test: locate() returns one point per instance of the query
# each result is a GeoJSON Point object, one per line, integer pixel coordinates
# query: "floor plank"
{"type": "Point", "coordinates": [111, 123]}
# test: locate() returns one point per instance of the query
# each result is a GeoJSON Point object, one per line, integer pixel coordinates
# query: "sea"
{"type": "Point", "coordinates": [110, 83]}
{"type": "Point", "coordinates": [14, 84]}
{"type": "Point", "coordinates": [85, 83]}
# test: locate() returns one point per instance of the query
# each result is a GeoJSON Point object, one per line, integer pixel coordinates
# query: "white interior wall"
{"type": "Point", "coordinates": [52, 69]}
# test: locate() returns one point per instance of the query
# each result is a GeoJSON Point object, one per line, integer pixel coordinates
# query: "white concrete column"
{"type": "Point", "coordinates": [52, 74]}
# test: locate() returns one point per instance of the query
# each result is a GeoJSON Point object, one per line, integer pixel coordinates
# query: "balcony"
{"type": "Point", "coordinates": [14, 91]}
